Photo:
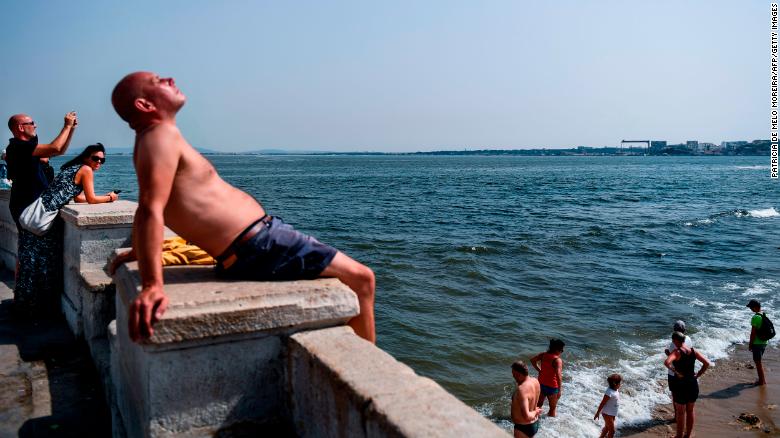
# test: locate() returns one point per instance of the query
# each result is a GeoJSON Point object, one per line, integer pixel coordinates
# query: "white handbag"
{"type": "Point", "coordinates": [36, 219]}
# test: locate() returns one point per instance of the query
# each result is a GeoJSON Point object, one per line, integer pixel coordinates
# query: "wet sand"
{"type": "Point", "coordinates": [727, 391]}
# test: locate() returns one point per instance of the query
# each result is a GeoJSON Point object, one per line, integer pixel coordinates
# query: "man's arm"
{"type": "Point", "coordinates": [558, 365]}
{"type": "Point", "coordinates": [752, 338]}
{"type": "Point", "coordinates": [527, 413]}
{"type": "Point", "coordinates": [59, 145]}
{"type": "Point", "coordinates": [535, 362]}
{"type": "Point", "coordinates": [156, 163]}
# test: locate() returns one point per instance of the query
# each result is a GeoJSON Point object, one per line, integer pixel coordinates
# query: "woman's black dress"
{"type": "Point", "coordinates": [39, 282]}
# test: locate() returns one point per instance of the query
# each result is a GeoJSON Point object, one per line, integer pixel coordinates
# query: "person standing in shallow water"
{"type": "Point", "coordinates": [610, 403]}
{"type": "Point", "coordinates": [525, 413]}
{"type": "Point", "coordinates": [679, 326]}
{"type": "Point", "coordinates": [682, 362]}
{"type": "Point", "coordinates": [550, 367]}
{"type": "Point", "coordinates": [757, 345]}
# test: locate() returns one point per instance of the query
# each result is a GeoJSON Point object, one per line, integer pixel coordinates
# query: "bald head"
{"type": "Point", "coordinates": [144, 98]}
{"type": "Point", "coordinates": [126, 92]}
{"type": "Point", "coordinates": [16, 119]}
{"type": "Point", "coordinates": [22, 126]}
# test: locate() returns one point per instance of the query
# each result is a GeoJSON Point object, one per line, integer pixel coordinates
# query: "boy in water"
{"type": "Point", "coordinates": [550, 367]}
{"type": "Point", "coordinates": [524, 415]}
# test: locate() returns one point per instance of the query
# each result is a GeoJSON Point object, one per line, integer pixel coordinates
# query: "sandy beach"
{"type": "Point", "coordinates": [726, 393]}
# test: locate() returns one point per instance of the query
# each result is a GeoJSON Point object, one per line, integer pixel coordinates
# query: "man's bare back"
{"type": "Point", "coordinates": [197, 191]}
{"type": "Point", "coordinates": [525, 414]}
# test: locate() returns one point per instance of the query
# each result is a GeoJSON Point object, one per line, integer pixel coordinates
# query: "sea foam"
{"type": "Point", "coordinates": [727, 324]}
{"type": "Point", "coordinates": [767, 212]}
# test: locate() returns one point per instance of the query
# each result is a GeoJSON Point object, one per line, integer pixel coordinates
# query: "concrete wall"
{"type": "Point", "coordinates": [236, 358]}
{"type": "Point", "coordinates": [7, 233]}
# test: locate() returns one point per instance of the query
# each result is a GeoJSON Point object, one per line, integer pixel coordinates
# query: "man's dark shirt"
{"type": "Point", "coordinates": [27, 174]}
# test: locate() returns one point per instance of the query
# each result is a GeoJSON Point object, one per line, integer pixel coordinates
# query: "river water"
{"type": "Point", "coordinates": [481, 259]}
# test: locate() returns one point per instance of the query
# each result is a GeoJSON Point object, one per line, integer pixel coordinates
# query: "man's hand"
{"type": "Point", "coordinates": [121, 258]}
{"type": "Point", "coordinates": [596, 417]}
{"type": "Point", "coordinates": [71, 119]}
{"type": "Point", "coordinates": [145, 310]}
{"type": "Point", "coordinates": [750, 347]}
{"type": "Point", "coordinates": [537, 412]}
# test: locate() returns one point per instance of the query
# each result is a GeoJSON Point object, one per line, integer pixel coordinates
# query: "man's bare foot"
{"type": "Point", "coordinates": [759, 383]}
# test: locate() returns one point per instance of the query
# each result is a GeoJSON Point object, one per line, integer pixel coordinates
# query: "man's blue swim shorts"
{"type": "Point", "coordinates": [269, 249]}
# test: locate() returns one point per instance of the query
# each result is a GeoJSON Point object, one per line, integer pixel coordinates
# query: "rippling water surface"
{"type": "Point", "coordinates": [480, 260]}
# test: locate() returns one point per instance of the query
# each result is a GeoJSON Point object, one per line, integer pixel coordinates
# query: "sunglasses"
{"type": "Point", "coordinates": [97, 159]}
{"type": "Point", "coordinates": [28, 123]}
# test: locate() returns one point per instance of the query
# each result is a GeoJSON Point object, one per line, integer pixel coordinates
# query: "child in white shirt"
{"type": "Point", "coordinates": [609, 406]}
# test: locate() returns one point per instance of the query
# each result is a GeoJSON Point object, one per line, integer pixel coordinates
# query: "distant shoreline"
{"type": "Point", "coordinates": [484, 152]}
{"type": "Point", "coordinates": [757, 148]}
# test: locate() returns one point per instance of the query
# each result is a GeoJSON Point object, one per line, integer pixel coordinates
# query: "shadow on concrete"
{"type": "Point", "coordinates": [61, 395]}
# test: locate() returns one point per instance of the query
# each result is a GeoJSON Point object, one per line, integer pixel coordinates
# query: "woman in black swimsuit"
{"type": "Point", "coordinates": [686, 390]}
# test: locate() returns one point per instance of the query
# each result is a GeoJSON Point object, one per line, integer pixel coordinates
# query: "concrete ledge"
{"type": "Point", "coordinates": [354, 389]}
{"type": "Point", "coordinates": [216, 360]}
{"type": "Point", "coordinates": [200, 306]}
{"type": "Point", "coordinates": [110, 213]}
{"type": "Point", "coordinates": [8, 234]}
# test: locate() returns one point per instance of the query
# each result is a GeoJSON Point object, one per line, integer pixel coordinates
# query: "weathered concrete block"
{"type": "Point", "coordinates": [114, 385]}
{"type": "Point", "coordinates": [92, 233]}
{"type": "Point", "coordinates": [98, 294]}
{"type": "Point", "coordinates": [221, 308]}
{"type": "Point", "coordinates": [99, 215]}
{"type": "Point", "coordinates": [216, 358]}
{"type": "Point", "coordinates": [8, 233]}
{"type": "Point", "coordinates": [354, 389]}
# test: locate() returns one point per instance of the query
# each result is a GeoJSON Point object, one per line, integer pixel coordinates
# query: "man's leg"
{"type": "Point", "coordinates": [361, 280]}
{"type": "Point", "coordinates": [553, 399]}
{"type": "Point", "coordinates": [760, 371]}
{"type": "Point", "coordinates": [758, 353]}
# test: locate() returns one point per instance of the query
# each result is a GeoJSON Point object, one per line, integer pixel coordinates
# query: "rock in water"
{"type": "Point", "coordinates": [749, 419]}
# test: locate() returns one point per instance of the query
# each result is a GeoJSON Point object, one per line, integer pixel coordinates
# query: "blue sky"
{"type": "Point", "coordinates": [401, 75]}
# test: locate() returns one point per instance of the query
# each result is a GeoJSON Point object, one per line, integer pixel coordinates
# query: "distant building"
{"type": "Point", "coordinates": [692, 145]}
{"type": "Point", "coordinates": [657, 145]}
{"type": "Point", "coordinates": [707, 147]}
{"type": "Point", "coordinates": [730, 146]}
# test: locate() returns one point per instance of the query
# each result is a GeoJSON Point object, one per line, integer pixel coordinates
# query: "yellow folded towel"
{"type": "Point", "coordinates": [177, 251]}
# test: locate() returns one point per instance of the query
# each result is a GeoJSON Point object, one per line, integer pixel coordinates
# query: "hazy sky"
{"type": "Point", "coordinates": [398, 75]}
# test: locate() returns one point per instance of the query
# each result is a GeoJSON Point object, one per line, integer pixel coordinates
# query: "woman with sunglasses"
{"type": "Point", "coordinates": [83, 168]}
{"type": "Point", "coordinates": [41, 257]}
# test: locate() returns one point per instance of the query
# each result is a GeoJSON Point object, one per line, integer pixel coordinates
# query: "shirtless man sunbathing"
{"type": "Point", "coordinates": [181, 189]}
